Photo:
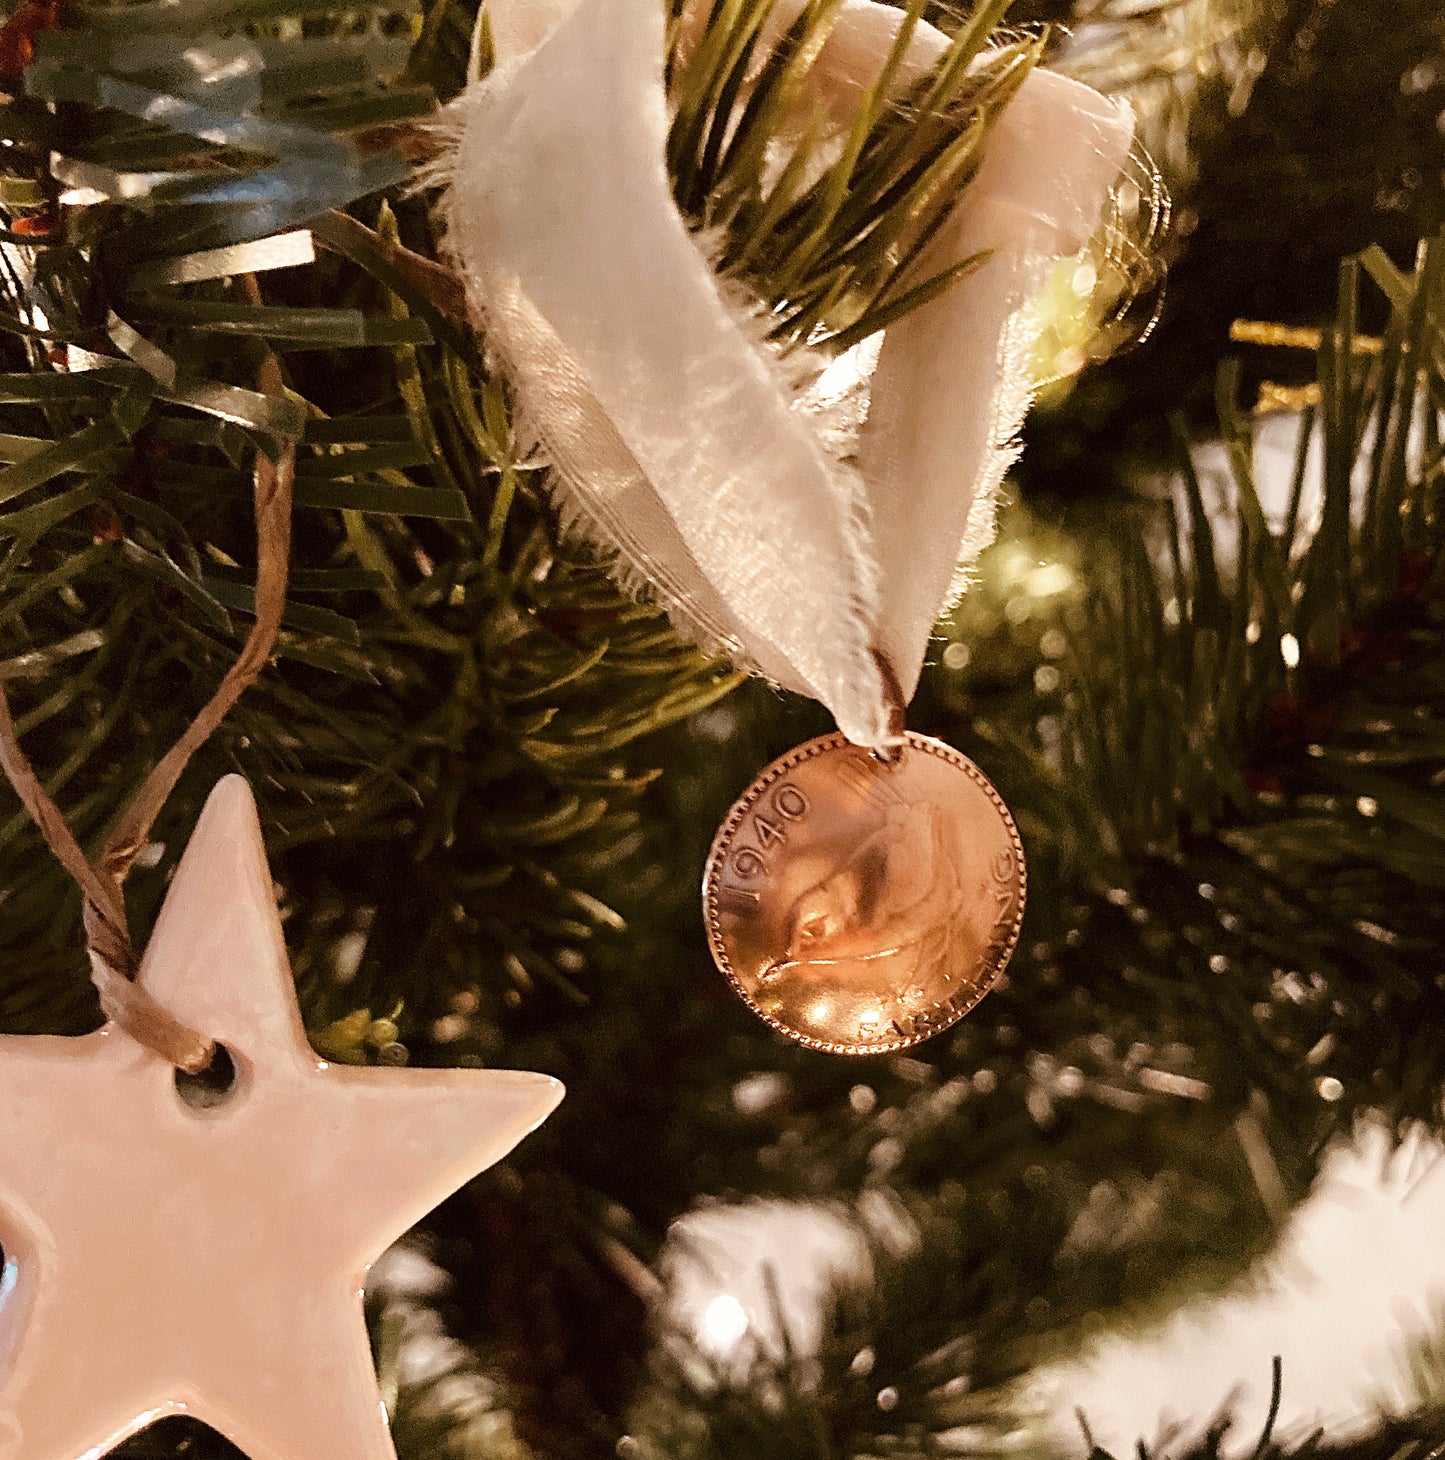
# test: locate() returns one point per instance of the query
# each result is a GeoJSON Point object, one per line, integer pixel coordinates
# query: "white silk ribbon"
{"type": "Point", "coordinates": [674, 437]}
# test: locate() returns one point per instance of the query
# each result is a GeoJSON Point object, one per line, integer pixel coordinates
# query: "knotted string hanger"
{"type": "Point", "coordinates": [114, 963]}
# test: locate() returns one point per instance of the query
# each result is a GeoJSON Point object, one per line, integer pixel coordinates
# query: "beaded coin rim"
{"type": "Point", "coordinates": [722, 842]}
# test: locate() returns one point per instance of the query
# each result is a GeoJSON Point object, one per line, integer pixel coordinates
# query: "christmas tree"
{"type": "Point", "coordinates": [1202, 663]}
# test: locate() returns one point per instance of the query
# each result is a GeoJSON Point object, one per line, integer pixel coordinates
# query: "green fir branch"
{"type": "Point", "coordinates": [829, 243]}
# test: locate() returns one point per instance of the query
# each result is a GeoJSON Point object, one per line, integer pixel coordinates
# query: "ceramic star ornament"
{"type": "Point", "coordinates": [164, 1257]}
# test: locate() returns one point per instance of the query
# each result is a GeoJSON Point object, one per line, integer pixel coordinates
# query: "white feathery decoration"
{"type": "Point", "coordinates": [673, 436]}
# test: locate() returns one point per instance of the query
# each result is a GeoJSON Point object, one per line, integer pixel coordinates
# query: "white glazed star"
{"type": "Point", "coordinates": [164, 1259]}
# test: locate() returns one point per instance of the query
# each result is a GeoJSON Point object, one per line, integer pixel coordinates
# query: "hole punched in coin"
{"type": "Point", "coordinates": [212, 1087]}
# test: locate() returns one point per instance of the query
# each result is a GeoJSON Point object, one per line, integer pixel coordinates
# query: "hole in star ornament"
{"type": "Point", "coordinates": [212, 1086]}
{"type": "Point", "coordinates": [159, 1264]}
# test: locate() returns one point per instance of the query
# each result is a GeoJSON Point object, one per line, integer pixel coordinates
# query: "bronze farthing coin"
{"type": "Point", "coordinates": [861, 905]}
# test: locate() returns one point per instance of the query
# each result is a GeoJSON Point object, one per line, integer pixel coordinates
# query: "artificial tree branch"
{"type": "Point", "coordinates": [113, 960]}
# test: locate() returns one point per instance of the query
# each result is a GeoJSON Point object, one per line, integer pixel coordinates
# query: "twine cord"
{"type": "Point", "coordinates": [114, 963]}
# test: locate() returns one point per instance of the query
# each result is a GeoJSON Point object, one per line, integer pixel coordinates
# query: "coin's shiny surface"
{"type": "Point", "coordinates": [862, 905]}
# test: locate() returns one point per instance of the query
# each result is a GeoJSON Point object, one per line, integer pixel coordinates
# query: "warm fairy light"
{"type": "Point", "coordinates": [1049, 579]}
{"type": "Point", "coordinates": [758, 1091]}
{"type": "Point", "coordinates": [1067, 363]}
{"type": "Point", "coordinates": [724, 1322]}
{"type": "Point", "coordinates": [1012, 563]}
{"type": "Point", "coordinates": [1289, 651]}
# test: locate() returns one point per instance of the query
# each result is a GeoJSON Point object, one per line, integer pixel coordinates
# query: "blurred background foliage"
{"type": "Point", "coordinates": [1292, 133]}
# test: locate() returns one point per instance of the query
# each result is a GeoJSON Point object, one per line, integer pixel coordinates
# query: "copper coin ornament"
{"type": "Point", "coordinates": [861, 903]}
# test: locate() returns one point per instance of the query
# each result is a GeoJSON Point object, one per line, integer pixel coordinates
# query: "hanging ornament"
{"type": "Point", "coordinates": [820, 558]}
{"type": "Point", "coordinates": [859, 902]}
{"type": "Point", "coordinates": [182, 1249]}
{"type": "Point", "coordinates": [190, 1197]}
